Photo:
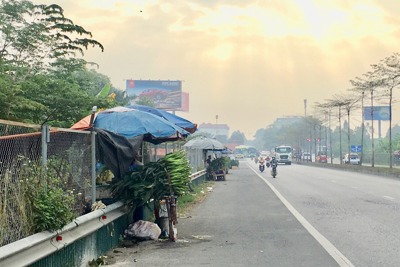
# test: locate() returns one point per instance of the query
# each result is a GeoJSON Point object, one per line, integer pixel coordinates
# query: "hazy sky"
{"type": "Point", "coordinates": [248, 62]}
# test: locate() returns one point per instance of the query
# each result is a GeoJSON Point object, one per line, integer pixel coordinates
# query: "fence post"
{"type": "Point", "coordinates": [93, 161]}
{"type": "Point", "coordinates": [45, 140]}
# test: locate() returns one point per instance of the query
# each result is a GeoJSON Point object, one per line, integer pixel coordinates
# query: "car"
{"type": "Point", "coordinates": [306, 156]}
{"type": "Point", "coordinates": [352, 159]}
{"type": "Point", "coordinates": [239, 156]}
{"type": "Point", "coordinates": [322, 157]}
{"type": "Point", "coordinates": [297, 155]}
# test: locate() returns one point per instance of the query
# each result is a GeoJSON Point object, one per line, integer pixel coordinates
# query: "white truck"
{"type": "Point", "coordinates": [283, 154]}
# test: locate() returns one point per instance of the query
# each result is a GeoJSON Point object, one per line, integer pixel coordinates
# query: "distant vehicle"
{"type": "Point", "coordinates": [297, 155]}
{"type": "Point", "coordinates": [283, 154]}
{"type": "Point", "coordinates": [306, 156]}
{"type": "Point", "coordinates": [353, 158]}
{"type": "Point", "coordinates": [322, 157]}
{"type": "Point", "coordinates": [396, 157]}
{"type": "Point", "coordinates": [239, 156]}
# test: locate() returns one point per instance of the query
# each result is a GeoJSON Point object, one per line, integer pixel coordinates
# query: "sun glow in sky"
{"type": "Point", "coordinates": [239, 58]}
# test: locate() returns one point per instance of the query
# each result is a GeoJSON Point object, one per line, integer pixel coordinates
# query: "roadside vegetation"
{"type": "Point", "coordinates": [44, 77]}
{"type": "Point", "coordinates": [190, 199]}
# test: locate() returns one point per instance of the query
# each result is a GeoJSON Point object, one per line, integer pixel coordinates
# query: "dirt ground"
{"type": "Point", "coordinates": [129, 248]}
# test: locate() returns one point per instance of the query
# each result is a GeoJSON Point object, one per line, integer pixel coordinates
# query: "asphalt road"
{"type": "Point", "coordinates": [245, 221]}
{"type": "Point", "coordinates": [357, 213]}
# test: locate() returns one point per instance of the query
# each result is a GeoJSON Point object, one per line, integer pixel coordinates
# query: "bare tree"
{"type": "Point", "coordinates": [387, 73]}
{"type": "Point", "coordinates": [361, 86]}
{"type": "Point", "coordinates": [326, 110]}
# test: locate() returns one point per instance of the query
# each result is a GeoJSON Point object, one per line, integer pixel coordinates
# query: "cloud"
{"type": "Point", "coordinates": [240, 58]}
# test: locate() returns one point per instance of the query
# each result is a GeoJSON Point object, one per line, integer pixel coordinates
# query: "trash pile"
{"type": "Point", "coordinates": [143, 230]}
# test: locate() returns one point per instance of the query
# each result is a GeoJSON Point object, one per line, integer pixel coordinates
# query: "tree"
{"type": "Point", "coordinates": [338, 102]}
{"type": "Point", "coordinates": [43, 78]}
{"type": "Point", "coordinates": [37, 37]}
{"type": "Point", "coordinates": [237, 137]}
{"type": "Point", "coordinates": [388, 72]}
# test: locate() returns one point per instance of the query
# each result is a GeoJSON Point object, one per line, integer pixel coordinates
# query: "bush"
{"type": "Point", "coordinates": [52, 209]}
{"type": "Point", "coordinates": [235, 162]}
{"type": "Point", "coordinates": [51, 206]}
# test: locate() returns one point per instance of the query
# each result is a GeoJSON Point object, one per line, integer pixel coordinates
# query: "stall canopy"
{"type": "Point", "coordinates": [178, 121]}
{"type": "Point", "coordinates": [204, 143]}
{"type": "Point", "coordinates": [129, 123]}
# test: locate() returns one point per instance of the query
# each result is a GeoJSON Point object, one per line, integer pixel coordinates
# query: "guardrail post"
{"type": "Point", "coordinates": [93, 162]}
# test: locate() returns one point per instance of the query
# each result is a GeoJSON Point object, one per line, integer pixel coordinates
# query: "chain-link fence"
{"type": "Point", "coordinates": [154, 152]}
{"type": "Point", "coordinates": [69, 161]}
{"type": "Point", "coordinates": [34, 157]}
{"type": "Point", "coordinates": [29, 160]}
{"type": "Point", "coordinates": [196, 158]}
{"type": "Point", "coordinates": [19, 144]}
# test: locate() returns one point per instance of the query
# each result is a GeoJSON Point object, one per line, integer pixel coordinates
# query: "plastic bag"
{"type": "Point", "coordinates": [143, 230]}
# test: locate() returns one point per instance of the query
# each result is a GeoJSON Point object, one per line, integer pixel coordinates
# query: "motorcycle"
{"type": "Point", "coordinates": [267, 159]}
{"type": "Point", "coordinates": [261, 167]}
{"type": "Point", "coordinates": [274, 166]}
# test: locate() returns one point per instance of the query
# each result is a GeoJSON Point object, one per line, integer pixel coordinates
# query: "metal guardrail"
{"type": "Point", "coordinates": [35, 247]}
{"type": "Point", "coordinates": [31, 249]}
{"type": "Point", "coordinates": [198, 174]}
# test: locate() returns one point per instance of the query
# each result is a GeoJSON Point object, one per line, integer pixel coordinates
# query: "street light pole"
{"type": "Point", "coordinates": [216, 125]}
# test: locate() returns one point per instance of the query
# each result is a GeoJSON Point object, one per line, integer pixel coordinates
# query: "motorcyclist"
{"type": "Point", "coordinates": [268, 161]}
{"type": "Point", "coordinates": [274, 165]}
{"type": "Point", "coordinates": [274, 162]}
{"type": "Point", "coordinates": [261, 162]}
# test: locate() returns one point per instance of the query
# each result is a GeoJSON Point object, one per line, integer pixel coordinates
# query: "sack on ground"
{"type": "Point", "coordinates": [143, 230]}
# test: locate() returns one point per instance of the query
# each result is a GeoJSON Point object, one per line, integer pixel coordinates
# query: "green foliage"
{"type": "Point", "coordinates": [218, 164]}
{"type": "Point", "coordinates": [41, 79]}
{"type": "Point", "coordinates": [167, 176]}
{"type": "Point", "coordinates": [105, 91]}
{"type": "Point", "coordinates": [235, 162]}
{"type": "Point", "coordinates": [197, 194]}
{"type": "Point", "coordinates": [50, 206]}
{"type": "Point", "coordinates": [227, 162]}
{"type": "Point", "coordinates": [52, 209]}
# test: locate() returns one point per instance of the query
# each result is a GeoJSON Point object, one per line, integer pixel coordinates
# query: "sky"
{"type": "Point", "coordinates": [249, 62]}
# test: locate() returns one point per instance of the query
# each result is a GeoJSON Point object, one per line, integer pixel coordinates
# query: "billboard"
{"type": "Point", "coordinates": [381, 113]}
{"type": "Point", "coordinates": [185, 102]}
{"type": "Point", "coordinates": [164, 94]}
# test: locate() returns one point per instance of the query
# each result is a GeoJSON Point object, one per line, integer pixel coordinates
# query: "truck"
{"type": "Point", "coordinates": [283, 154]}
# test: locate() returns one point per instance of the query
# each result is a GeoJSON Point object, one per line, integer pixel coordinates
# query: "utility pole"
{"type": "Point", "coordinates": [216, 125]}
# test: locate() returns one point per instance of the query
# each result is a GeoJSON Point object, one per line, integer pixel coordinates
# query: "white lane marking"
{"type": "Point", "coordinates": [325, 243]}
{"type": "Point", "coordinates": [390, 198]}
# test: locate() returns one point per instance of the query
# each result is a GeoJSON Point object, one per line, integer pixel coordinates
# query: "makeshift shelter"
{"type": "Point", "coordinates": [178, 121]}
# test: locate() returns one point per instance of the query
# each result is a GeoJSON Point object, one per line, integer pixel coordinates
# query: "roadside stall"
{"type": "Point", "coordinates": [216, 169]}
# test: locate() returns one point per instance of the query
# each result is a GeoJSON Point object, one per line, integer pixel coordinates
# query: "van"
{"type": "Point", "coordinates": [306, 156]}
{"type": "Point", "coordinates": [353, 158]}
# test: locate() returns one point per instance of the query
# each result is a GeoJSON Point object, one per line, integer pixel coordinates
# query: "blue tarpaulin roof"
{"type": "Point", "coordinates": [177, 120]}
{"type": "Point", "coordinates": [131, 122]}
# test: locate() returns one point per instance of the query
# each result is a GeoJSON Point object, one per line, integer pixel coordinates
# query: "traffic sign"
{"type": "Point", "coordinates": [355, 148]}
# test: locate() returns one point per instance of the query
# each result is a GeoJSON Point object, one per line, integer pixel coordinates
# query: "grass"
{"type": "Point", "coordinates": [188, 201]}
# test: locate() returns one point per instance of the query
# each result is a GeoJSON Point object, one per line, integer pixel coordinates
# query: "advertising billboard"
{"type": "Point", "coordinates": [185, 102]}
{"type": "Point", "coordinates": [380, 113]}
{"type": "Point", "coordinates": [164, 94]}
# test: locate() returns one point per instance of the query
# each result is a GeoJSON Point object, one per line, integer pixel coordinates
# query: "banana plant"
{"type": "Point", "coordinates": [169, 175]}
